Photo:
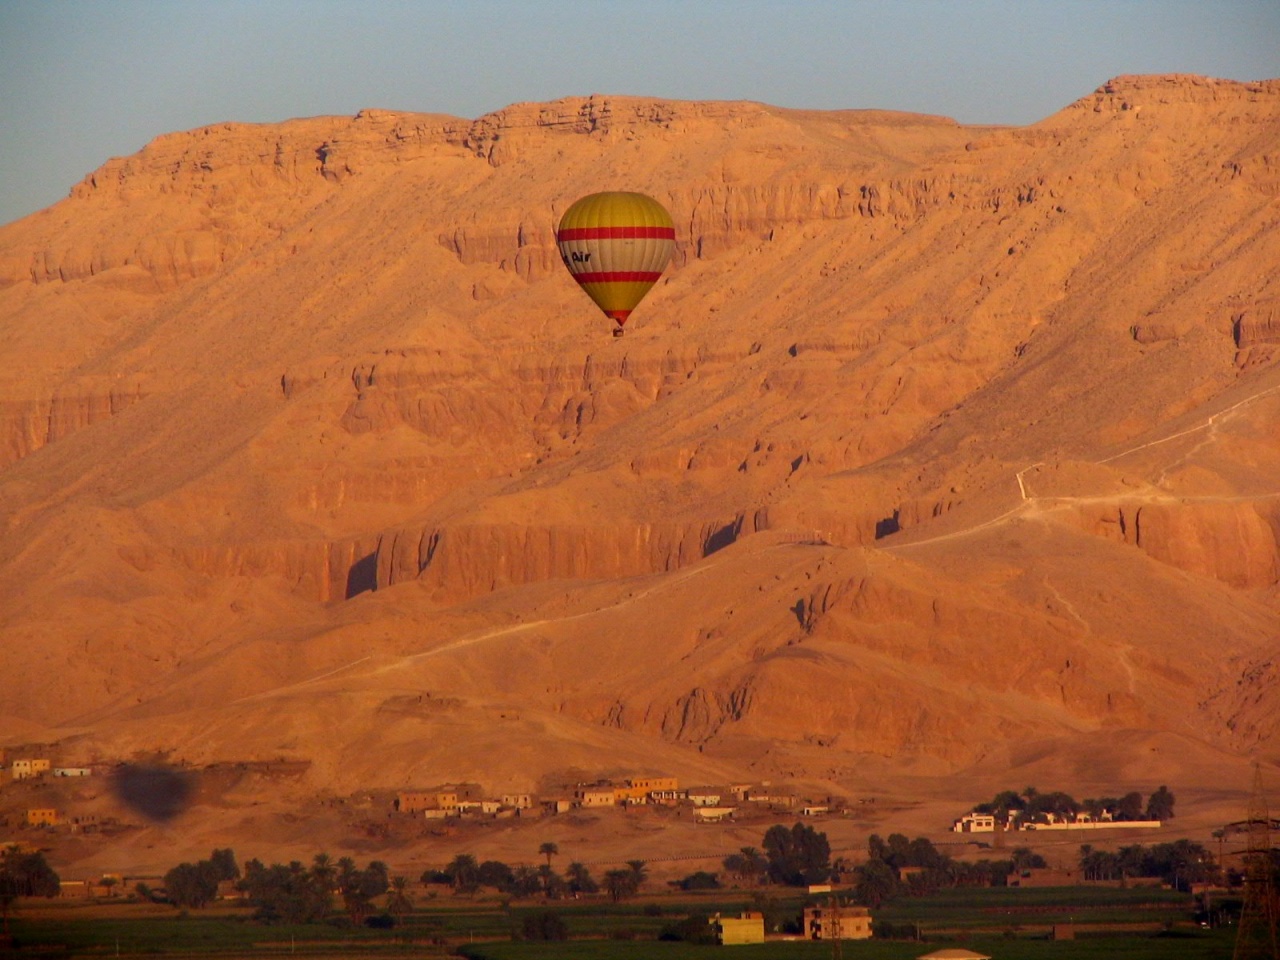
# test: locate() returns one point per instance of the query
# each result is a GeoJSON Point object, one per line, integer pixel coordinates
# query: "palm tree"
{"type": "Point", "coordinates": [322, 869]}
{"type": "Point", "coordinates": [398, 902]}
{"type": "Point", "coordinates": [638, 873]}
{"type": "Point", "coordinates": [579, 879]}
{"type": "Point", "coordinates": [548, 850]}
{"type": "Point", "coordinates": [754, 864]}
{"type": "Point", "coordinates": [876, 883]}
{"type": "Point", "coordinates": [464, 872]}
{"type": "Point", "coordinates": [619, 884]}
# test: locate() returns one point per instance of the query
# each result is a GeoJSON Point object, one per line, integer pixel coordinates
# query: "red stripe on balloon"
{"type": "Point", "coordinates": [616, 233]}
{"type": "Point", "coordinates": [619, 276]}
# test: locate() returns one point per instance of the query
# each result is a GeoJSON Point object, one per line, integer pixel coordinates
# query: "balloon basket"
{"type": "Point", "coordinates": [618, 332]}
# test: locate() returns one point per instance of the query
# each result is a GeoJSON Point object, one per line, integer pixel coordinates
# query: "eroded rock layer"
{"type": "Point", "coordinates": [933, 440]}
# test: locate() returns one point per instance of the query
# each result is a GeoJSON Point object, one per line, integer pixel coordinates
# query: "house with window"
{"type": "Point", "coordinates": [975, 822]}
{"type": "Point", "coordinates": [25, 769]}
{"type": "Point", "coordinates": [747, 928]}
{"type": "Point", "coordinates": [837, 923]}
{"type": "Point", "coordinates": [704, 796]}
{"type": "Point", "coordinates": [479, 806]}
{"type": "Point", "coordinates": [643, 789]}
{"type": "Point", "coordinates": [594, 796]}
{"type": "Point", "coordinates": [441, 801]}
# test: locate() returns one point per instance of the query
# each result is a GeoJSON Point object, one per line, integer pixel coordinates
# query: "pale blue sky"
{"type": "Point", "coordinates": [85, 80]}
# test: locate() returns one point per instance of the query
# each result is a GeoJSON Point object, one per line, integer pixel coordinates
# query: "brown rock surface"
{"type": "Point", "coordinates": [940, 451]}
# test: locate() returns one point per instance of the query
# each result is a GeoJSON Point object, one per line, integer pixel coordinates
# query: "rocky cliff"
{"type": "Point", "coordinates": [932, 439]}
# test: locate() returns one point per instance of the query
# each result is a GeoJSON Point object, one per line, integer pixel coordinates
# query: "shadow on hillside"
{"type": "Point", "coordinates": [363, 575]}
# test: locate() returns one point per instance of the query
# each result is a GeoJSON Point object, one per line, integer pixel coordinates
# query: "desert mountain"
{"type": "Point", "coordinates": [939, 450]}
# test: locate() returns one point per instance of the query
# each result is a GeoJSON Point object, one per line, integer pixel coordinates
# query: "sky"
{"type": "Point", "coordinates": [82, 81]}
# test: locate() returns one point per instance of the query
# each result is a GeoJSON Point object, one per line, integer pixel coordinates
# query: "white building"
{"type": "Point", "coordinates": [975, 823]}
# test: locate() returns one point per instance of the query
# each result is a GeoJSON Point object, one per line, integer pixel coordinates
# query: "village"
{"type": "Point", "coordinates": [461, 801]}
{"type": "Point", "coordinates": [465, 800]}
{"type": "Point", "coordinates": [708, 804]}
{"type": "Point", "coordinates": [41, 801]}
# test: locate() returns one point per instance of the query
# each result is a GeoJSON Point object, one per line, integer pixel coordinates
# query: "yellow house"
{"type": "Point", "coordinates": [641, 788]}
{"type": "Point", "coordinates": [595, 796]}
{"type": "Point", "coordinates": [46, 817]}
{"type": "Point", "coordinates": [748, 928]}
{"type": "Point", "coordinates": [414, 801]}
{"type": "Point", "coordinates": [420, 801]}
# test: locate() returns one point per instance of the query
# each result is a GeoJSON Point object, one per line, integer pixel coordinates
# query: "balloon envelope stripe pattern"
{"type": "Point", "coordinates": [616, 233]}
{"type": "Point", "coordinates": [619, 276]}
{"type": "Point", "coordinates": [616, 246]}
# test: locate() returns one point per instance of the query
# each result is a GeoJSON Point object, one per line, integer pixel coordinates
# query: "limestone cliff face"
{"type": "Point", "coordinates": [1232, 542]}
{"type": "Point", "coordinates": [915, 448]}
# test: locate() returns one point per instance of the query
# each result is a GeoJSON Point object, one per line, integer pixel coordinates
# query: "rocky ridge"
{"type": "Point", "coordinates": [934, 438]}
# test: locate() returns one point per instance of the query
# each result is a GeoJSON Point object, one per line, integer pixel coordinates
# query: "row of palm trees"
{"type": "Point", "coordinates": [466, 876]}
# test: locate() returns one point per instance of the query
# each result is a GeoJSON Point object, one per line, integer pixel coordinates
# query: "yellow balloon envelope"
{"type": "Point", "coordinates": [616, 245]}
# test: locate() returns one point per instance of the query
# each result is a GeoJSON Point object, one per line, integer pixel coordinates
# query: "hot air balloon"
{"type": "Point", "coordinates": [616, 245]}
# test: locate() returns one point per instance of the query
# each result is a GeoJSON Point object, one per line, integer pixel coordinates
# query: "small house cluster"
{"type": "Point", "coordinates": [708, 803]}
{"type": "Point", "coordinates": [976, 822]}
{"type": "Point", "coordinates": [821, 922]}
{"type": "Point", "coordinates": [455, 800]}
{"type": "Point", "coordinates": [36, 768]}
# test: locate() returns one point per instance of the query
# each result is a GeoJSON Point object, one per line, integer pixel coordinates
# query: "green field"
{"type": "Point", "coordinates": [1008, 924]}
{"type": "Point", "coordinates": [1209, 946]}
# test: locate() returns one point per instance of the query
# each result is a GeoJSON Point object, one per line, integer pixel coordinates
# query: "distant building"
{"type": "Point", "coordinates": [517, 801]}
{"type": "Point", "coordinates": [975, 823]}
{"type": "Point", "coordinates": [413, 801]}
{"type": "Point", "coordinates": [83, 823]}
{"type": "Point", "coordinates": [712, 814]}
{"type": "Point", "coordinates": [837, 923]}
{"type": "Point", "coordinates": [479, 806]}
{"type": "Point", "coordinates": [704, 797]}
{"type": "Point", "coordinates": [443, 801]}
{"type": "Point", "coordinates": [784, 800]}
{"type": "Point", "coordinates": [72, 772]}
{"type": "Point", "coordinates": [24, 769]}
{"type": "Point", "coordinates": [649, 784]}
{"type": "Point", "coordinates": [641, 789]}
{"type": "Point", "coordinates": [43, 817]}
{"type": "Point", "coordinates": [594, 796]}
{"type": "Point", "coordinates": [74, 889]}
{"type": "Point", "coordinates": [668, 797]}
{"type": "Point", "coordinates": [747, 928]}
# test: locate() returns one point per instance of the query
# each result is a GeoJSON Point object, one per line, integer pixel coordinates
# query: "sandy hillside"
{"type": "Point", "coordinates": [942, 461]}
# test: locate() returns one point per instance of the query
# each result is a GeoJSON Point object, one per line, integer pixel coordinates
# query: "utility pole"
{"type": "Point", "coordinates": [1256, 936]}
{"type": "Point", "coordinates": [833, 909]}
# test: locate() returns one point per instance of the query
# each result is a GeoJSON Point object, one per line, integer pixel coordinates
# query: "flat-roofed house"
{"type": "Point", "coordinates": [837, 923]}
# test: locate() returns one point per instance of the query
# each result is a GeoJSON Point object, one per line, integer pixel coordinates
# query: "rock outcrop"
{"type": "Point", "coordinates": [932, 439]}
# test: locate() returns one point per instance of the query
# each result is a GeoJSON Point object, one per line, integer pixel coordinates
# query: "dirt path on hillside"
{"type": "Point", "coordinates": [1030, 505]}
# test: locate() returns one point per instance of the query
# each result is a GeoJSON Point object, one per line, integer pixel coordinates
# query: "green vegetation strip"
{"type": "Point", "coordinates": [1214, 945]}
